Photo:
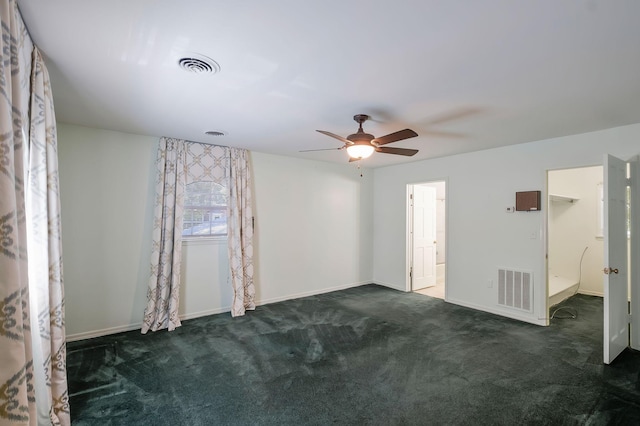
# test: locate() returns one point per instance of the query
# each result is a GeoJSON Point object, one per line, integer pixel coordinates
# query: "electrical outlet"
{"type": "Point", "coordinates": [490, 284]}
{"type": "Point", "coordinates": [533, 235]}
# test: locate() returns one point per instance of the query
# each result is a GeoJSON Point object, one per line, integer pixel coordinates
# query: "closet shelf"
{"type": "Point", "coordinates": [562, 198]}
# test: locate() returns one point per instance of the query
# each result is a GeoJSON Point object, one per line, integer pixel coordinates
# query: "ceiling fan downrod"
{"type": "Point", "coordinates": [360, 118]}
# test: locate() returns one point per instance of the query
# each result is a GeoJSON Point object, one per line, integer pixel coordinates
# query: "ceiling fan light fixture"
{"type": "Point", "coordinates": [361, 145]}
{"type": "Point", "coordinates": [360, 150]}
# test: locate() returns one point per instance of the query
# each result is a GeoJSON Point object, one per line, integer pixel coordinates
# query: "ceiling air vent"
{"type": "Point", "coordinates": [199, 64]}
{"type": "Point", "coordinates": [215, 133]}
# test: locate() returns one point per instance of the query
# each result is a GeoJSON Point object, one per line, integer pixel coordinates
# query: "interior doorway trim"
{"type": "Point", "coordinates": [567, 197]}
{"type": "Point", "coordinates": [616, 313]}
{"type": "Point", "coordinates": [409, 230]}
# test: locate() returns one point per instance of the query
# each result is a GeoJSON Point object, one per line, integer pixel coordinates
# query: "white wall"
{"type": "Point", "coordinates": [320, 226]}
{"type": "Point", "coordinates": [574, 226]}
{"type": "Point", "coordinates": [314, 226]}
{"type": "Point", "coordinates": [313, 223]}
{"type": "Point", "coordinates": [106, 201]}
{"type": "Point", "coordinates": [482, 236]}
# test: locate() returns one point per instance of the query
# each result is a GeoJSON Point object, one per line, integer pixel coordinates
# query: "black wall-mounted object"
{"type": "Point", "coordinates": [527, 201]}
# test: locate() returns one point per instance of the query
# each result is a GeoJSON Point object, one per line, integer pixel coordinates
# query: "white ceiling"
{"type": "Point", "coordinates": [465, 74]}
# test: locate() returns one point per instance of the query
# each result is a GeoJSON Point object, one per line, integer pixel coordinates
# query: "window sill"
{"type": "Point", "coordinates": [204, 241]}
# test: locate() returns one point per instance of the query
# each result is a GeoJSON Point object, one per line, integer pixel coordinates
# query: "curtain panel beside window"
{"type": "Point", "coordinates": [240, 233]}
{"type": "Point", "coordinates": [33, 377]}
{"type": "Point", "coordinates": [180, 163]}
{"type": "Point", "coordinates": [164, 284]}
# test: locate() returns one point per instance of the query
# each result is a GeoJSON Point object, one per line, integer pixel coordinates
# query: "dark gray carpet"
{"type": "Point", "coordinates": [367, 355]}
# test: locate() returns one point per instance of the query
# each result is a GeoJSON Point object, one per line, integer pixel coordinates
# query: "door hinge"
{"type": "Point", "coordinates": [411, 272]}
{"type": "Point", "coordinates": [628, 181]}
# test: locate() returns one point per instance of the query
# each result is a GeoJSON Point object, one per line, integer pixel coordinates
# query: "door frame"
{"type": "Point", "coordinates": [409, 238]}
{"type": "Point", "coordinates": [547, 207]}
{"type": "Point", "coordinates": [634, 252]}
{"type": "Point", "coordinates": [634, 272]}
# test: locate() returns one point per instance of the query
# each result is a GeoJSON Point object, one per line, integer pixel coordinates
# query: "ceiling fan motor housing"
{"type": "Point", "coordinates": [361, 138]}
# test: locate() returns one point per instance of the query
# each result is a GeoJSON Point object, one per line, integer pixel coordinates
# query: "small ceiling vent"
{"type": "Point", "coordinates": [215, 133]}
{"type": "Point", "coordinates": [199, 64]}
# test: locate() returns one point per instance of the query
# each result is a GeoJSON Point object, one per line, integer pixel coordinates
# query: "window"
{"type": "Point", "coordinates": [205, 210]}
{"type": "Point", "coordinates": [206, 191]}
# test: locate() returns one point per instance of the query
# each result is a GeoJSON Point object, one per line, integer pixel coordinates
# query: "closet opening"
{"type": "Point", "coordinates": [575, 245]}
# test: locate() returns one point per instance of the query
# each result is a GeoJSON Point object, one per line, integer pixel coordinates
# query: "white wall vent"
{"type": "Point", "coordinates": [515, 289]}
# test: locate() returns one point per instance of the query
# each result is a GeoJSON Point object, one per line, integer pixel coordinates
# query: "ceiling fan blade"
{"type": "Point", "coordinates": [397, 151]}
{"type": "Point", "coordinates": [333, 135]}
{"type": "Point", "coordinates": [395, 137]}
{"type": "Point", "coordinates": [322, 149]}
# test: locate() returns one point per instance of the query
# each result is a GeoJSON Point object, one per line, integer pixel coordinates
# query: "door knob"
{"type": "Point", "coordinates": [608, 271]}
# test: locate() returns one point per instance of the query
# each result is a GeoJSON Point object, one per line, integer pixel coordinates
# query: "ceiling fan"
{"type": "Point", "coordinates": [361, 145]}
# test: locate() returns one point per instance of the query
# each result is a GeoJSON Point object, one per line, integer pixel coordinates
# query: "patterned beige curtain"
{"type": "Point", "coordinates": [180, 163]}
{"type": "Point", "coordinates": [164, 285]}
{"type": "Point", "coordinates": [206, 162]}
{"type": "Point", "coordinates": [33, 386]}
{"type": "Point", "coordinates": [240, 232]}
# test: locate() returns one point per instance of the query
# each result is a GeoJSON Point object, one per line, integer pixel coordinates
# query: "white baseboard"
{"type": "Point", "coordinates": [215, 311]}
{"type": "Point", "coordinates": [206, 313]}
{"type": "Point", "coordinates": [393, 286]}
{"type": "Point", "coordinates": [310, 293]}
{"type": "Point", "coordinates": [591, 293]}
{"type": "Point", "coordinates": [102, 332]}
{"type": "Point", "coordinates": [138, 326]}
{"type": "Point", "coordinates": [500, 312]}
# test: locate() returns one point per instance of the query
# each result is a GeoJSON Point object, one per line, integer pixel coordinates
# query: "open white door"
{"type": "Point", "coordinates": [634, 294]}
{"type": "Point", "coordinates": [616, 310]}
{"type": "Point", "coordinates": [424, 237]}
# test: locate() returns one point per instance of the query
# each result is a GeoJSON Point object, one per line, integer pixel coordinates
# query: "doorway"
{"type": "Point", "coordinates": [575, 243]}
{"type": "Point", "coordinates": [426, 238]}
{"type": "Point", "coordinates": [616, 213]}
